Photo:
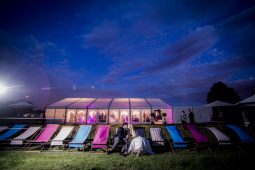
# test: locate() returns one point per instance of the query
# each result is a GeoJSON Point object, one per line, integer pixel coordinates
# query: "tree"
{"type": "Point", "coordinates": [222, 92]}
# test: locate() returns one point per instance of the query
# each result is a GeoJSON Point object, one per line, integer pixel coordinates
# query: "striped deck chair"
{"type": "Point", "coordinates": [157, 140]}
{"type": "Point", "coordinates": [157, 137]}
{"type": "Point", "coordinates": [140, 132]}
{"type": "Point", "coordinates": [101, 137]}
{"type": "Point", "coordinates": [80, 137]}
{"type": "Point", "coordinates": [19, 140]}
{"type": "Point", "coordinates": [12, 131]}
{"type": "Point", "coordinates": [201, 140]}
{"type": "Point", "coordinates": [221, 137]}
{"type": "Point", "coordinates": [178, 142]}
{"type": "Point", "coordinates": [242, 134]}
{"type": "Point", "coordinates": [2, 128]}
{"type": "Point", "coordinates": [61, 136]}
{"type": "Point", "coordinates": [44, 136]}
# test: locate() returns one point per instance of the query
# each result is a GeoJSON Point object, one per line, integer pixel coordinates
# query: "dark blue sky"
{"type": "Point", "coordinates": [174, 50]}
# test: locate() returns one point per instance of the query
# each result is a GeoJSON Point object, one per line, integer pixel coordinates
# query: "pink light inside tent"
{"type": "Point", "coordinates": [169, 116]}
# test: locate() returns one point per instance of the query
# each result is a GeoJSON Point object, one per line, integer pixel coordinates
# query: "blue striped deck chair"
{"type": "Point", "coordinates": [242, 134]}
{"type": "Point", "coordinates": [12, 131]}
{"type": "Point", "coordinates": [80, 137]}
{"type": "Point", "coordinates": [178, 140]}
{"type": "Point", "coordinates": [140, 132]}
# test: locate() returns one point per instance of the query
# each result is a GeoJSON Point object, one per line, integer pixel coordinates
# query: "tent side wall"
{"type": "Point", "coordinates": [157, 103]}
{"type": "Point", "coordinates": [107, 110]}
{"type": "Point", "coordinates": [140, 111]}
{"type": "Point", "coordinates": [201, 114]}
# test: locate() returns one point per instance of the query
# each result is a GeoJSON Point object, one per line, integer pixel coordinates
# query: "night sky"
{"type": "Point", "coordinates": [174, 50]}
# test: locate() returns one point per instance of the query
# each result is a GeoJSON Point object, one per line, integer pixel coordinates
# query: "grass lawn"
{"type": "Point", "coordinates": [170, 161]}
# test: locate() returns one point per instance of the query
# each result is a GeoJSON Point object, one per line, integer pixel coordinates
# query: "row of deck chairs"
{"type": "Point", "coordinates": [31, 137]}
{"type": "Point", "coordinates": [67, 137]}
{"type": "Point", "coordinates": [199, 139]}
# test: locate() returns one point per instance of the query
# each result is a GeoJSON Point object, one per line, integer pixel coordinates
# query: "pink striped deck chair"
{"type": "Point", "coordinates": [201, 139]}
{"type": "Point", "coordinates": [101, 137]}
{"type": "Point", "coordinates": [44, 136]}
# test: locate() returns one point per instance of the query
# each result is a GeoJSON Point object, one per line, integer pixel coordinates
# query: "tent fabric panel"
{"type": "Point", "coordinates": [101, 103]}
{"type": "Point", "coordinates": [122, 103]}
{"type": "Point", "coordinates": [64, 102]}
{"type": "Point", "coordinates": [139, 103]}
{"type": "Point", "coordinates": [82, 103]}
{"type": "Point", "coordinates": [157, 103]}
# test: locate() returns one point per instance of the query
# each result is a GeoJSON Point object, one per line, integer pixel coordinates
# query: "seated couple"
{"type": "Point", "coordinates": [125, 135]}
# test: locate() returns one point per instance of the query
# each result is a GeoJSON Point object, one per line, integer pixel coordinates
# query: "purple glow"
{"type": "Point", "coordinates": [169, 116]}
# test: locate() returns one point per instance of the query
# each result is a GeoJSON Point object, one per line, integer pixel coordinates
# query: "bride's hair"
{"type": "Point", "coordinates": [132, 131]}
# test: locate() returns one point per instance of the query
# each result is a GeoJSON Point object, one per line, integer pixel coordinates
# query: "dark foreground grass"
{"type": "Point", "coordinates": [170, 161]}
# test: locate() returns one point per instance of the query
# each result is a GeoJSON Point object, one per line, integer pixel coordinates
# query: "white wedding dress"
{"type": "Point", "coordinates": [140, 145]}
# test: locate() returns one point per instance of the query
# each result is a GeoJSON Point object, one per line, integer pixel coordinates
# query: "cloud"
{"type": "Point", "coordinates": [169, 49]}
{"type": "Point", "coordinates": [243, 87]}
{"type": "Point", "coordinates": [102, 36]}
{"type": "Point", "coordinates": [190, 46]}
{"type": "Point", "coordinates": [238, 30]}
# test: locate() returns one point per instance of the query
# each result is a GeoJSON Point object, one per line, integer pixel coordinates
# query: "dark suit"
{"type": "Point", "coordinates": [121, 136]}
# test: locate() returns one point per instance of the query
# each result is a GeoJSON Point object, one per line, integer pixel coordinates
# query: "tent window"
{"type": "Point", "coordinates": [114, 116]}
{"type": "Point", "coordinates": [81, 116]}
{"type": "Point", "coordinates": [102, 116]}
{"type": "Point", "coordinates": [146, 115]}
{"type": "Point", "coordinates": [135, 116]}
{"type": "Point", "coordinates": [92, 114]}
{"type": "Point", "coordinates": [70, 116]}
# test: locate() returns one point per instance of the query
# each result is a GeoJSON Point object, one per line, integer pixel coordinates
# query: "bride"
{"type": "Point", "coordinates": [138, 145]}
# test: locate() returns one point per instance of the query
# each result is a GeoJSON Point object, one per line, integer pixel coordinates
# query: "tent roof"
{"type": "Point", "coordinates": [139, 103]}
{"type": "Point", "coordinates": [101, 103]}
{"type": "Point", "coordinates": [111, 103]}
{"type": "Point", "coordinates": [250, 99]}
{"type": "Point", "coordinates": [81, 103]}
{"type": "Point", "coordinates": [218, 103]}
{"type": "Point", "coordinates": [157, 103]}
{"type": "Point", "coordinates": [64, 102]}
{"type": "Point", "coordinates": [122, 103]}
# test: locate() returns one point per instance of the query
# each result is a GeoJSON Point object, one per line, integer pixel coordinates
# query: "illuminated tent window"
{"type": "Point", "coordinates": [135, 116]}
{"type": "Point", "coordinates": [81, 116]}
{"type": "Point", "coordinates": [91, 117]}
{"type": "Point", "coordinates": [102, 116]}
{"type": "Point", "coordinates": [70, 116]}
{"type": "Point", "coordinates": [49, 114]}
{"type": "Point", "coordinates": [114, 116]}
{"type": "Point", "coordinates": [124, 114]}
{"type": "Point", "coordinates": [146, 116]}
{"type": "Point", "coordinates": [158, 116]}
{"type": "Point", "coordinates": [60, 115]}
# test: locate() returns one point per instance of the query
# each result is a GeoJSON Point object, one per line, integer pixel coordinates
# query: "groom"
{"type": "Point", "coordinates": [121, 136]}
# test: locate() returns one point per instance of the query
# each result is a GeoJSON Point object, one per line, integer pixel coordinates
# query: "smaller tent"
{"type": "Point", "coordinates": [218, 103]}
{"type": "Point", "coordinates": [222, 111]}
{"type": "Point", "coordinates": [22, 104]}
{"type": "Point", "coordinates": [249, 100]}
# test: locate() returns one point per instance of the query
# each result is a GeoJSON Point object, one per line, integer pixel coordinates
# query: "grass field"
{"type": "Point", "coordinates": [170, 161]}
